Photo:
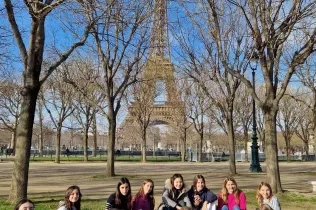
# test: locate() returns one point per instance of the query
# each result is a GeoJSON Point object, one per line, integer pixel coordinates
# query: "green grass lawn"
{"type": "Point", "coordinates": [52, 205]}
{"type": "Point", "coordinates": [101, 158]}
{"type": "Point", "coordinates": [289, 201]}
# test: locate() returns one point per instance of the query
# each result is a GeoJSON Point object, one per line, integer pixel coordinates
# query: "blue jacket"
{"type": "Point", "coordinates": [205, 195]}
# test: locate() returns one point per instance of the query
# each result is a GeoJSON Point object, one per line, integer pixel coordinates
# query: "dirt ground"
{"type": "Point", "coordinates": [47, 178]}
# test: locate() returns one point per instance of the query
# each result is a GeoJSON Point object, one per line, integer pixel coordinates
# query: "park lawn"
{"type": "Point", "coordinates": [101, 158]}
{"type": "Point", "coordinates": [288, 200]}
{"type": "Point", "coordinates": [52, 205]}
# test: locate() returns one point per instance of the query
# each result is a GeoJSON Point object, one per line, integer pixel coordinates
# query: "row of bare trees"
{"type": "Point", "coordinates": [214, 51]}
{"type": "Point", "coordinates": [118, 39]}
{"type": "Point", "coordinates": [223, 38]}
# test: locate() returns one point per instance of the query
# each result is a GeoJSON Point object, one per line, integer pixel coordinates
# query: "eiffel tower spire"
{"type": "Point", "coordinates": [159, 43]}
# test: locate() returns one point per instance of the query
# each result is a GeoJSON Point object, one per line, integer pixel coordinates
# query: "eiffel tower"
{"type": "Point", "coordinates": [158, 68]}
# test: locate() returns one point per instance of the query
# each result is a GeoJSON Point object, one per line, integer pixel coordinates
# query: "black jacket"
{"type": "Point", "coordinates": [205, 195]}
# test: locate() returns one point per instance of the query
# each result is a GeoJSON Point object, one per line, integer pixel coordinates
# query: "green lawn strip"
{"type": "Point", "coordinates": [52, 204]}
{"type": "Point", "coordinates": [117, 158]}
{"type": "Point", "coordinates": [104, 158]}
{"type": "Point", "coordinates": [288, 200]}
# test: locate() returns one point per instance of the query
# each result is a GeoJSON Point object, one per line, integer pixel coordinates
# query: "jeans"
{"type": "Point", "coordinates": [226, 208]}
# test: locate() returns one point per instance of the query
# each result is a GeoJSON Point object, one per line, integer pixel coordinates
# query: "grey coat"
{"type": "Point", "coordinates": [273, 203]}
{"type": "Point", "coordinates": [169, 199]}
{"type": "Point", "coordinates": [62, 206]}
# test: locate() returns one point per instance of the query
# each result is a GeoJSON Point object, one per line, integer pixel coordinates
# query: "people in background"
{"type": "Point", "coordinates": [144, 199]}
{"type": "Point", "coordinates": [121, 199]}
{"type": "Point", "coordinates": [230, 197]}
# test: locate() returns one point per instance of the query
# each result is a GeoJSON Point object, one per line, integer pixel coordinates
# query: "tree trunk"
{"type": "Point", "coordinates": [272, 164]}
{"type": "Point", "coordinates": [314, 137]}
{"type": "Point", "coordinates": [246, 142]}
{"type": "Point", "coordinates": [19, 181]}
{"type": "Point", "coordinates": [13, 141]}
{"type": "Point", "coordinates": [40, 118]}
{"type": "Point", "coordinates": [183, 144]}
{"type": "Point", "coordinates": [144, 145]}
{"type": "Point", "coordinates": [287, 144]}
{"type": "Point", "coordinates": [201, 145]}
{"type": "Point", "coordinates": [154, 147]}
{"type": "Point", "coordinates": [57, 157]}
{"type": "Point", "coordinates": [95, 138]}
{"type": "Point", "coordinates": [306, 148]}
{"type": "Point", "coordinates": [14, 135]}
{"type": "Point", "coordinates": [111, 142]}
{"type": "Point", "coordinates": [231, 141]}
{"type": "Point", "coordinates": [85, 145]}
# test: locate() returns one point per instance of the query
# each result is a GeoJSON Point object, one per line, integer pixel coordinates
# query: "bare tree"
{"type": "Point", "coordinates": [32, 59]}
{"type": "Point", "coordinates": [271, 24]}
{"type": "Point", "coordinates": [10, 101]}
{"type": "Point", "coordinates": [142, 108]}
{"type": "Point", "coordinates": [95, 132]}
{"type": "Point", "coordinates": [260, 119]}
{"type": "Point", "coordinates": [203, 63]}
{"type": "Point", "coordinates": [307, 75]}
{"type": "Point", "coordinates": [287, 120]}
{"type": "Point", "coordinates": [304, 126]}
{"type": "Point", "coordinates": [58, 101]}
{"type": "Point", "coordinates": [40, 121]}
{"type": "Point", "coordinates": [243, 113]}
{"type": "Point", "coordinates": [82, 74]}
{"type": "Point", "coordinates": [181, 116]}
{"type": "Point", "coordinates": [199, 104]}
{"type": "Point", "coordinates": [130, 137]}
{"type": "Point", "coordinates": [120, 39]}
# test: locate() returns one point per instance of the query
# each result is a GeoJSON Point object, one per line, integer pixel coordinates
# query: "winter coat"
{"type": "Point", "coordinates": [205, 195]}
{"type": "Point", "coordinates": [110, 203]}
{"type": "Point", "coordinates": [169, 199]}
{"type": "Point", "coordinates": [273, 203]}
{"type": "Point", "coordinates": [62, 206]}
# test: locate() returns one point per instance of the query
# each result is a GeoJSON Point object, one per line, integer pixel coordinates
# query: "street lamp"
{"type": "Point", "coordinates": [255, 165]}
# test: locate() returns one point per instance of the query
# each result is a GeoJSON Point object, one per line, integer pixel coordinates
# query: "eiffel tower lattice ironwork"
{"type": "Point", "coordinates": [159, 68]}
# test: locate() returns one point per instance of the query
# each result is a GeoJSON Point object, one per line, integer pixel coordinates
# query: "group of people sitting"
{"type": "Point", "coordinates": [174, 197]}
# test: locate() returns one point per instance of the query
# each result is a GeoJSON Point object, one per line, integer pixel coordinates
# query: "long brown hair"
{"type": "Point", "coordinates": [225, 192]}
{"type": "Point", "coordinates": [150, 195]}
{"type": "Point", "coordinates": [118, 194]}
{"type": "Point", "coordinates": [176, 192]}
{"type": "Point", "coordinates": [259, 196]}
{"type": "Point", "coordinates": [196, 179]}
{"type": "Point", "coordinates": [68, 204]}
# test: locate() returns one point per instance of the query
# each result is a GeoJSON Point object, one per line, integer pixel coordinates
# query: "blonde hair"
{"type": "Point", "coordinates": [259, 196]}
{"type": "Point", "coordinates": [225, 192]}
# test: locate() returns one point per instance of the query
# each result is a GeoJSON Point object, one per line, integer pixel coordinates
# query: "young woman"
{"type": "Point", "coordinates": [175, 195]}
{"type": "Point", "coordinates": [72, 199]}
{"type": "Point", "coordinates": [144, 199]}
{"type": "Point", "coordinates": [121, 199]}
{"type": "Point", "coordinates": [24, 204]}
{"type": "Point", "coordinates": [231, 198]}
{"type": "Point", "coordinates": [265, 196]}
{"type": "Point", "coordinates": [200, 196]}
